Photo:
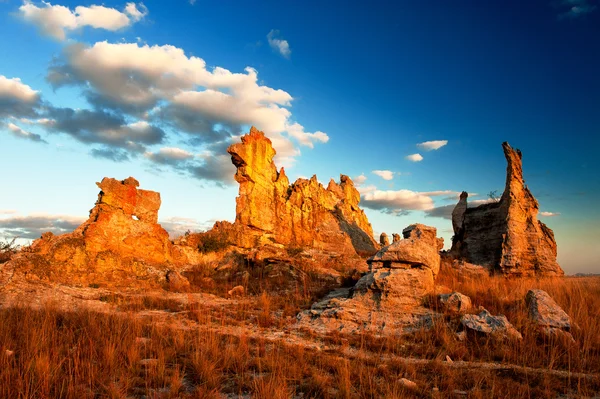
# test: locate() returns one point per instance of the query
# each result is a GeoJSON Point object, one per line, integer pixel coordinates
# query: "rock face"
{"type": "Point", "coordinates": [120, 244]}
{"type": "Point", "coordinates": [506, 235]}
{"type": "Point", "coordinates": [305, 213]}
{"type": "Point", "coordinates": [395, 237]}
{"type": "Point", "coordinates": [391, 295]}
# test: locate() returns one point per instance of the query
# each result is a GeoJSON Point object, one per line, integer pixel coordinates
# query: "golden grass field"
{"type": "Point", "coordinates": [247, 350]}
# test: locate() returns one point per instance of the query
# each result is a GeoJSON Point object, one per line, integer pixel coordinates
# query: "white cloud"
{"type": "Point", "coordinates": [384, 174]}
{"type": "Point", "coordinates": [34, 225]}
{"type": "Point", "coordinates": [178, 226]}
{"type": "Point", "coordinates": [15, 89]}
{"type": "Point", "coordinates": [414, 157]}
{"type": "Point", "coordinates": [549, 214]}
{"type": "Point", "coordinates": [279, 45]}
{"type": "Point", "coordinates": [148, 80]}
{"type": "Point", "coordinates": [397, 200]}
{"type": "Point", "coordinates": [55, 20]}
{"type": "Point", "coordinates": [134, 13]}
{"type": "Point", "coordinates": [432, 145]}
{"type": "Point", "coordinates": [359, 179]}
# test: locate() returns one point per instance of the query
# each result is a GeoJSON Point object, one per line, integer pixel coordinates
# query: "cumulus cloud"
{"type": "Point", "coordinates": [400, 200]}
{"type": "Point", "coordinates": [361, 179]}
{"type": "Point", "coordinates": [432, 145]}
{"type": "Point", "coordinates": [162, 83]}
{"type": "Point", "coordinates": [279, 45]}
{"type": "Point", "coordinates": [549, 214]}
{"type": "Point", "coordinates": [23, 134]}
{"type": "Point", "coordinates": [33, 226]}
{"type": "Point", "coordinates": [17, 99]}
{"type": "Point", "coordinates": [414, 157]}
{"type": "Point", "coordinates": [384, 174]}
{"type": "Point", "coordinates": [56, 20]}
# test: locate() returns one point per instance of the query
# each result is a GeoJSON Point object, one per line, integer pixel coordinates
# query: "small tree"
{"type": "Point", "coordinates": [493, 195]}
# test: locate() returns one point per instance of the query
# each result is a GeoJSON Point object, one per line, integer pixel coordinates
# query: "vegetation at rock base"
{"type": "Point", "coordinates": [7, 249]}
{"type": "Point", "coordinates": [170, 346]}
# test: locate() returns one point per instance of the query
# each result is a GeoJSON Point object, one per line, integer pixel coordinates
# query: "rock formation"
{"type": "Point", "coordinates": [269, 209]}
{"type": "Point", "coordinates": [384, 240]}
{"type": "Point", "coordinates": [506, 235]}
{"type": "Point", "coordinates": [395, 237]}
{"type": "Point", "coordinates": [391, 295]}
{"type": "Point", "coordinates": [120, 244]}
{"type": "Point", "coordinates": [485, 323]}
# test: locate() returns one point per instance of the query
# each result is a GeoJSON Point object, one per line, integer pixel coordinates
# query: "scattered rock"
{"type": "Point", "coordinates": [459, 392]}
{"type": "Point", "coordinates": [448, 359]}
{"type": "Point", "coordinates": [551, 319]}
{"type": "Point", "coordinates": [506, 235]}
{"type": "Point", "coordinates": [406, 383]}
{"type": "Point", "coordinates": [236, 291]}
{"type": "Point", "coordinates": [455, 302]}
{"type": "Point", "coordinates": [485, 323]}
{"type": "Point", "coordinates": [9, 353]}
{"type": "Point", "coordinates": [461, 335]}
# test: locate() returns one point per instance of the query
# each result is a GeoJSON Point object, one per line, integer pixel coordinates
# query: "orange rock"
{"type": "Point", "coordinates": [268, 208]}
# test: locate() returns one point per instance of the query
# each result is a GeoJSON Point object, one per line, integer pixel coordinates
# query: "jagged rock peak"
{"type": "Point", "coordinates": [303, 213]}
{"type": "Point", "coordinates": [506, 235]}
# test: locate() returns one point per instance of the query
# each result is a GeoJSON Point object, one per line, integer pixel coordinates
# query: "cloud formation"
{"type": "Point", "coordinates": [414, 157]}
{"type": "Point", "coordinates": [56, 20]}
{"type": "Point", "coordinates": [432, 145]}
{"type": "Point", "coordinates": [279, 45]}
{"type": "Point", "coordinates": [23, 134]}
{"type": "Point", "coordinates": [32, 227]}
{"type": "Point", "coordinates": [549, 214]}
{"type": "Point", "coordinates": [400, 200]}
{"type": "Point", "coordinates": [445, 211]}
{"type": "Point", "coordinates": [384, 174]}
{"type": "Point", "coordinates": [575, 8]}
{"type": "Point", "coordinates": [360, 179]}
{"type": "Point", "coordinates": [17, 99]}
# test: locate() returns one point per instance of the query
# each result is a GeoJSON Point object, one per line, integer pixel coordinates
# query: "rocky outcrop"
{"type": "Point", "coordinates": [269, 209]}
{"type": "Point", "coordinates": [384, 240]}
{"type": "Point", "coordinates": [506, 235]}
{"type": "Point", "coordinates": [395, 237]}
{"type": "Point", "coordinates": [419, 249]}
{"type": "Point", "coordinates": [120, 244]}
{"type": "Point", "coordinates": [388, 298]}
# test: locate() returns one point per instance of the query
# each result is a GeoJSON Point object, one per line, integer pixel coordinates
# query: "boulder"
{"type": "Point", "coordinates": [487, 324]}
{"type": "Point", "coordinates": [506, 235]}
{"type": "Point", "coordinates": [269, 209]}
{"type": "Point", "coordinates": [177, 282]}
{"type": "Point", "coordinates": [544, 312]}
{"type": "Point", "coordinates": [455, 302]}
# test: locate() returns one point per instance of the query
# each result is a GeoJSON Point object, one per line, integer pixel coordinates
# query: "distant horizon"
{"type": "Point", "coordinates": [413, 106]}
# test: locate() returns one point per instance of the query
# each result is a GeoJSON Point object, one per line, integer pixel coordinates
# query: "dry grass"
{"type": "Point", "coordinates": [53, 353]}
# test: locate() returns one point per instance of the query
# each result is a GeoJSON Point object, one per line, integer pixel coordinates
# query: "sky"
{"type": "Point", "coordinates": [410, 99]}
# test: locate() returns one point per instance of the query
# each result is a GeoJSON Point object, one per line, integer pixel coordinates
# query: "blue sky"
{"type": "Point", "coordinates": [158, 90]}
